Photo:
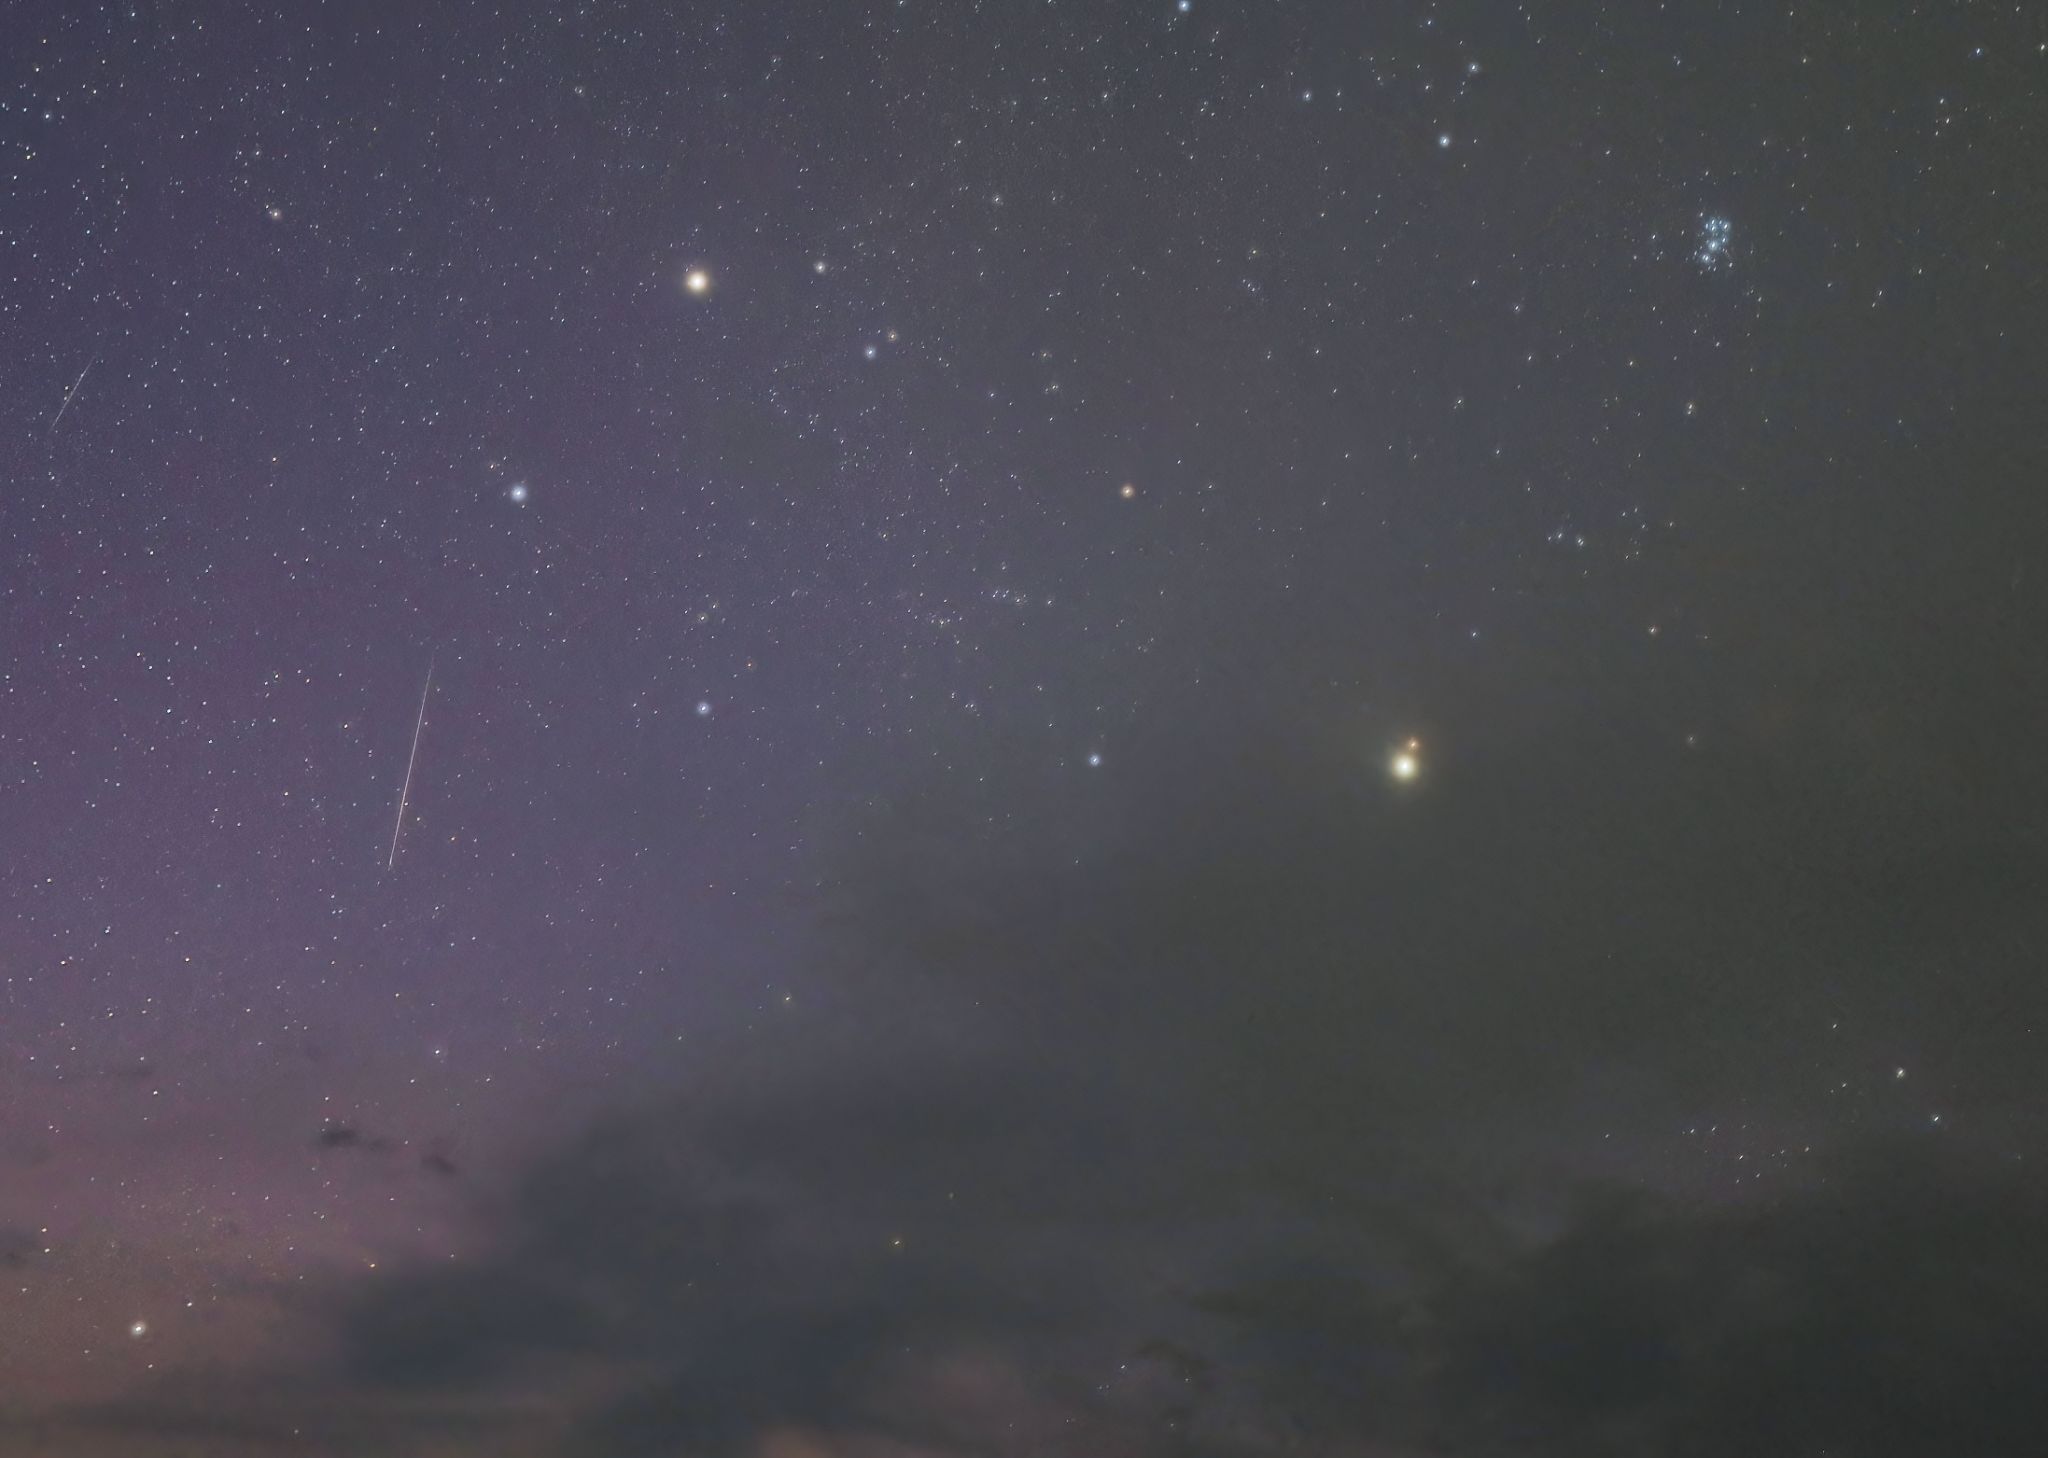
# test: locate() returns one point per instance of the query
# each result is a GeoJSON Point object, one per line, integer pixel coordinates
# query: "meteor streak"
{"type": "Point", "coordinates": [411, 760]}
{"type": "Point", "coordinates": [68, 394]}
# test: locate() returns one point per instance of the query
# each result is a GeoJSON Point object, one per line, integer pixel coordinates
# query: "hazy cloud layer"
{"type": "Point", "coordinates": [1178, 1157]}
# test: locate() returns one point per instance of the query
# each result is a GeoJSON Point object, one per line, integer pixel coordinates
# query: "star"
{"type": "Point", "coordinates": [1127, 491]}
{"type": "Point", "coordinates": [697, 281]}
{"type": "Point", "coordinates": [138, 1329]}
{"type": "Point", "coordinates": [703, 708]}
{"type": "Point", "coordinates": [517, 493]}
{"type": "Point", "coordinates": [1406, 762]}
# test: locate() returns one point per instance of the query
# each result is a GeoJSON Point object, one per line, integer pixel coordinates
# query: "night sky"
{"type": "Point", "coordinates": [907, 728]}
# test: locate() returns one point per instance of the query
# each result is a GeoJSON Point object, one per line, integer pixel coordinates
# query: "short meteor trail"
{"type": "Point", "coordinates": [69, 393]}
{"type": "Point", "coordinates": [411, 760]}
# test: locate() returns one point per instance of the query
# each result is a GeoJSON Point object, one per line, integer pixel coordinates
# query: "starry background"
{"type": "Point", "coordinates": [908, 539]}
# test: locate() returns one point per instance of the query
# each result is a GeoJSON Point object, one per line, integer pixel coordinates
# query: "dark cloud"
{"type": "Point", "coordinates": [749, 1301]}
{"type": "Point", "coordinates": [764, 1260]}
{"type": "Point", "coordinates": [1891, 1304]}
{"type": "Point", "coordinates": [347, 1136]}
{"type": "Point", "coordinates": [219, 1419]}
{"type": "Point", "coordinates": [1897, 1308]}
{"type": "Point", "coordinates": [435, 1330]}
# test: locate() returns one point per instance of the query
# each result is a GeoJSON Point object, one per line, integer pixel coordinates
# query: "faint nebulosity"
{"type": "Point", "coordinates": [931, 729]}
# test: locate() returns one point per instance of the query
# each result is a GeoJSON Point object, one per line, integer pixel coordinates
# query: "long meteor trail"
{"type": "Point", "coordinates": [411, 760]}
{"type": "Point", "coordinates": [68, 394]}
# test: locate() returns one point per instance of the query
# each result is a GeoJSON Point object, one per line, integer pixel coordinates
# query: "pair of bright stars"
{"type": "Point", "coordinates": [697, 282]}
